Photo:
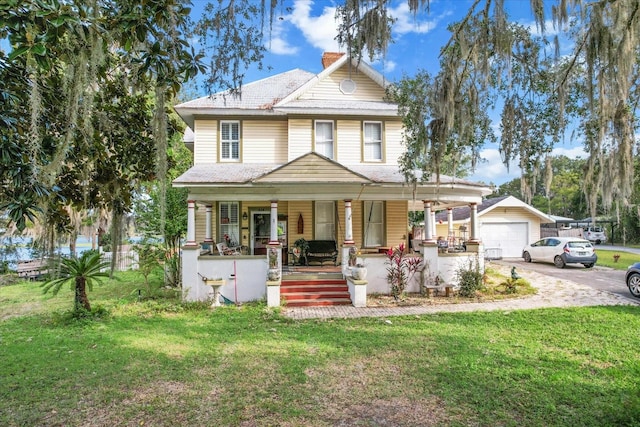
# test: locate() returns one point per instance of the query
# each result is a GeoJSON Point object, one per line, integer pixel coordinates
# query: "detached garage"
{"type": "Point", "coordinates": [506, 224]}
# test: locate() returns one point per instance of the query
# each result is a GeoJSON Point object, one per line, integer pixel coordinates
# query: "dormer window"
{"type": "Point", "coordinates": [230, 140]}
{"type": "Point", "coordinates": [372, 149]}
{"type": "Point", "coordinates": [324, 138]}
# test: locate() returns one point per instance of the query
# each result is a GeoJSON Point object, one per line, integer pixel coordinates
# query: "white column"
{"type": "Point", "coordinates": [428, 225]}
{"type": "Point", "coordinates": [208, 238]}
{"type": "Point", "coordinates": [191, 223]}
{"type": "Point", "coordinates": [473, 236]}
{"type": "Point", "coordinates": [348, 223]}
{"type": "Point", "coordinates": [273, 237]}
{"type": "Point", "coordinates": [433, 224]}
{"type": "Point", "coordinates": [449, 222]}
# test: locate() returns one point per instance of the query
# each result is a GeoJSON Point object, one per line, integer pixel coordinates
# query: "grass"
{"type": "Point", "coordinates": [606, 259]}
{"type": "Point", "coordinates": [161, 362]}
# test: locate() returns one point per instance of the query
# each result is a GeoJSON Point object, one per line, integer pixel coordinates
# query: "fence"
{"type": "Point", "coordinates": [124, 260]}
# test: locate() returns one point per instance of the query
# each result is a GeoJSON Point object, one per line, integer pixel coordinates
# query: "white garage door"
{"type": "Point", "coordinates": [509, 237]}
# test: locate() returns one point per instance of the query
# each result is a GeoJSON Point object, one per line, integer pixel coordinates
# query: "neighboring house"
{"type": "Point", "coordinates": [505, 225]}
{"type": "Point", "coordinates": [300, 155]}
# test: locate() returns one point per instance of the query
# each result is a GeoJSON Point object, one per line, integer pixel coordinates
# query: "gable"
{"type": "Point", "coordinates": [364, 88]}
{"type": "Point", "coordinates": [312, 168]}
{"type": "Point", "coordinates": [501, 207]}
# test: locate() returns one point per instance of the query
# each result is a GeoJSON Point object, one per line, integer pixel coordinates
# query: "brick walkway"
{"type": "Point", "coordinates": [552, 292]}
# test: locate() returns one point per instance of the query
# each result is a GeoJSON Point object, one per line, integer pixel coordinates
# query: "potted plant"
{"type": "Point", "coordinates": [303, 247]}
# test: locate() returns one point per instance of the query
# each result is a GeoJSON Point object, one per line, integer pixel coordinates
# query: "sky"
{"type": "Point", "coordinates": [304, 29]}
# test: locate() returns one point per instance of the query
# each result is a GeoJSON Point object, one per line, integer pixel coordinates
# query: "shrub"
{"type": "Point", "coordinates": [401, 269]}
{"type": "Point", "coordinates": [469, 278]}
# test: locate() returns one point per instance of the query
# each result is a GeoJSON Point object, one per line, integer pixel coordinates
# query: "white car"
{"type": "Point", "coordinates": [595, 234]}
{"type": "Point", "coordinates": [561, 251]}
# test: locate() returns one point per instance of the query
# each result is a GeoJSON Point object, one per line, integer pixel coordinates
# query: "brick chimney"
{"type": "Point", "coordinates": [329, 58]}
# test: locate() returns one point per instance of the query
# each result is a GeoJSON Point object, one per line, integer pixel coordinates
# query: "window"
{"type": "Point", "coordinates": [229, 140]}
{"type": "Point", "coordinates": [229, 224]}
{"type": "Point", "coordinates": [324, 138]}
{"type": "Point", "coordinates": [372, 141]}
{"type": "Point", "coordinates": [325, 221]}
{"type": "Point", "coordinates": [373, 224]}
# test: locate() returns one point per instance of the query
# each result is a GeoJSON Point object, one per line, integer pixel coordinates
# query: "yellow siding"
{"type": "Point", "coordinates": [397, 222]}
{"type": "Point", "coordinates": [300, 137]}
{"type": "Point", "coordinates": [514, 214]}
{"type": "Point", "coordinates": [348, 141]}
{"type": "Point", "coordinates": [329, 88]}
{"type": "Point", "coordinates": [393, 142]}
{"type": "Point", "coordinates": [357, 221]}
{"type": "Point", "coordinates": [200, 223]}
{"type": "Point", "coordinates": [205, 141]}
{"type": "Point", "coordinates": [264, 141]}
{"type": "Point", "coordinates": [295, 209]}
{"type": "Point", "coordinates": [311, 168]}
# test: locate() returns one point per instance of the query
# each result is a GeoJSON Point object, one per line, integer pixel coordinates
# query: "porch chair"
{"type": "Point", "coordinates": [223, 249]}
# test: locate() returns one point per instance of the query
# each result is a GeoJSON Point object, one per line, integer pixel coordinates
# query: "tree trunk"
{"type": "Point", "coordinates": [82, 300]}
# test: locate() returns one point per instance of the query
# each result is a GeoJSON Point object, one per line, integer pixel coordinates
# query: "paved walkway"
{"type": "Point", "coordinates": [552, 292]}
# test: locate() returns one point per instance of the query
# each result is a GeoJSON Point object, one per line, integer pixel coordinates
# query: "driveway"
{"type": "Point", "coordinates": [598, 278]}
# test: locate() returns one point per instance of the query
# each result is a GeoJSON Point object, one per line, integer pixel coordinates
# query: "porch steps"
{"type": "Point", "coordinates": [314, 290]}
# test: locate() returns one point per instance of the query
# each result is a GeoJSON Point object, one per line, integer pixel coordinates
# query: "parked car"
{"type": "Point", "coordinates": [561, 251]}
{"type": "Point", "coordinates": [633, 279]}
{"type": "Point", "coordinates": [595, 234]}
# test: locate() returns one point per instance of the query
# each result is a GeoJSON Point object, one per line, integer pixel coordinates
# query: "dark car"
{"type": "Point", "coordinates": [633, 279]}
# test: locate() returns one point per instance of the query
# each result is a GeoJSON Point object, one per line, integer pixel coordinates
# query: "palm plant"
{"type": "Point", "coordinates": [80, 273]}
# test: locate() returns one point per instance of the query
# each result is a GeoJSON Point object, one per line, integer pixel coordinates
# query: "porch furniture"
{"type": "Point", "coordinates": [223, 249]}
{"type": "Point", "coordinates": [321, 251]}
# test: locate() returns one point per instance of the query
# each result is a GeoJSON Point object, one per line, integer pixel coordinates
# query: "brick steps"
{"type": "Point", "coordinates": [314, 292]}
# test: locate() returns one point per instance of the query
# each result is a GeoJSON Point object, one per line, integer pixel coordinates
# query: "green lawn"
{"type": "Point", "coordinates": [606, 258]}
{"type": "Point", "coordinates": [162, 363]}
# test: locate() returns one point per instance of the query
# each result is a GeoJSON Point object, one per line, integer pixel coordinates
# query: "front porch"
{"type": "Point", "coordinates": [247, 277]}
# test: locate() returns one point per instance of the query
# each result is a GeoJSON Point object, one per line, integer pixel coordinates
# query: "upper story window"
{"type": "Point", "coordinates": [230, 140]}
{"type": "Point", "coordinates": [324, 138]}
{"type": "Point", "coordinates": [372, 141]}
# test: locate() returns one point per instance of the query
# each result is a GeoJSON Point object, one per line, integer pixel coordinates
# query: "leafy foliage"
{"type": "Point", "coordinates": [469, 278]}
{"type": "Point", "coordinates": [401, 268]}
{"type": "Point", "coordinates": [81, 273]}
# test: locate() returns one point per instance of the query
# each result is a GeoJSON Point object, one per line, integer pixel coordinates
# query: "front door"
{"type": "Point", "coordinates": [260, 232]}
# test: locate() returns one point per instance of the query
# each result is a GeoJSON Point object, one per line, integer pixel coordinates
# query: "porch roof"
{"type": "Point", "coordinates": [314, 177]}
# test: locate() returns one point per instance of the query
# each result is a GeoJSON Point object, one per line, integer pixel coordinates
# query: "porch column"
{"type": "Point", "coordinates": [274, 260]}
{"type": "Point", "coordinates": [348, 244]}
{"type": "Point", "coordinates": [450, 232]}
{"type": "Point", "coordinates": [428, 224]}
{"type": "Point", "coordinates": [433, 225]}
{"type": "Point", "coordinates": [473, 233]}
{"type": "Point", "coordinates": [207, 233]}
{"type": "Point", "coordinates": [348, 223]}
{"type": "Point", "coordinates": [273, 237]}
{"type": "Point", "coordinates": [191, 223]}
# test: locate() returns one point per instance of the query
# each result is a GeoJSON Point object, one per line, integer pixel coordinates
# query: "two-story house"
{"type": "Point", "coordinates": [300, 155]}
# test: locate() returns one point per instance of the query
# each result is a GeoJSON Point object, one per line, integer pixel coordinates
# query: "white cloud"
{"type": "Point", "coordinates": [389, 66]}
{"type": "Point", "coordinates": [407, 22]}
{"type": "Point", "coordinates": [277, 43]}
{"type": "Point", "coordinates": [319, 31]}
{"type": "Point", "coordinates": [492, 170]}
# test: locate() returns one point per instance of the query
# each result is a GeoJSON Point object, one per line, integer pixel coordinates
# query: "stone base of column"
{"type": "Point", "coordinates": [273, 293]}
{"type": "Point", "coordinates": [358, 291]}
